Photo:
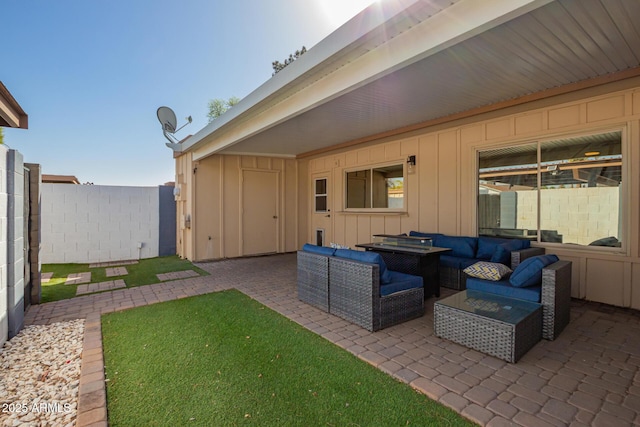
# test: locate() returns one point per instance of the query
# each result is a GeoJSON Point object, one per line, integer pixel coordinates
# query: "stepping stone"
{"type": "Point", "coordinates": [176, 275]}
{"type": "Point", "coordinates": [116, 271]}
{"type": "Point", "coordinates": [45, 277]}
{"type": "Point", "coordinates": [113, 263]}
{"type": "Point", "coordinates": [100, 287]}
{"type": "Point", "coordinates": [77, 278]}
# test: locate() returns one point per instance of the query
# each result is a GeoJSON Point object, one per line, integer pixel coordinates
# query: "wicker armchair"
{"type": "Point", "coordinates": [354, 289]}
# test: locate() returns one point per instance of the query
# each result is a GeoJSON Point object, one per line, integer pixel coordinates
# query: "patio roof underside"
{"type": "Point", "coordinates": [558, 44]}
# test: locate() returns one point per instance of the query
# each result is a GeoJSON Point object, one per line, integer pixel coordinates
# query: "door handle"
{"type": "Point", "coordinates": [327, 216]}
{"type": "Point", "coordinates": [275, 217]}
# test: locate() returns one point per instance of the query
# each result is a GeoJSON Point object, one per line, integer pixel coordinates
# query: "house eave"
{"type": "Point", "coordinates": [428, 62]}
{"type": "Point", "coordinates": [361, 51]}
{"type": "Point", "coordinates": [11, 114]}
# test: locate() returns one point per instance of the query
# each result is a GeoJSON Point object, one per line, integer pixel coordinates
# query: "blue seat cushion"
{"type": "Point", "coordinates": [504, 288]}
{"type": "Point", "coordinates": [367, 256]}
{"type": "Point", "coordinates": [456, 262]}
{"type": "Point", "coordinates": [400, 282]}
{"type": "Point", "coordinates": [320, 250]}
{"type": "Point", "coordinates": [461, 246]}
{"type": "Point", "coordinates": [529, 272]}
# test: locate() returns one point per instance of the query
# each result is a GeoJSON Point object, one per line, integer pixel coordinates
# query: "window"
{"type": "Point", "coordinates": [375, 188]}
{"type": "Point", "coordinates": [559, 191]}
{"type": "Point", "coordinates": [320, 195]}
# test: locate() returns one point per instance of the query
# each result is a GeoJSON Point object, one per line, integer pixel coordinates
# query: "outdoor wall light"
{"type": "Point", "coordinates": [411, 164]}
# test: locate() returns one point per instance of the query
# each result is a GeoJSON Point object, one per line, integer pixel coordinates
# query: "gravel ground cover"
{"type": "Point", "coordinates": [40, 375]}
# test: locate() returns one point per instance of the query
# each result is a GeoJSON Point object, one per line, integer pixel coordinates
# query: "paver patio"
{"type": "Point", "coordinates": [589, 376]}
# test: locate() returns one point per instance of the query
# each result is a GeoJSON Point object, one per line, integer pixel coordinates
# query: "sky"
{"type": "Point", "coordinates": [91, 74]}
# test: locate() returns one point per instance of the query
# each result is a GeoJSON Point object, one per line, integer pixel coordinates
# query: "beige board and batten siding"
{"type": "Point", "coordinates": [230, 210]}
{"type": "Point", "coordinates": [442, 193]}
{"type": "Point", "coordinates": [184, 206]}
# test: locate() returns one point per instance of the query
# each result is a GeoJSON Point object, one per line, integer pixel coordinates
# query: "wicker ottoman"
{"type": "Point", "coordinates": [502, 327]}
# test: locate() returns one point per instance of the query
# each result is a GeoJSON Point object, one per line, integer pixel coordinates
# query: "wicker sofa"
{"type": "Point", "coordinates": [357, 287]}
{"type": "Point", "coordinates": [466, 251]}
{"type": "Point", "coordinates": [543, 279]}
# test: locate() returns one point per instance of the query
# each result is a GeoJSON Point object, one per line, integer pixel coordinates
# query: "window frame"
{"type": "Point", "coordinates": [316, 195]}
{"type": "Point", "coordinates": [346, 171]}
{"type": "Point", "coordinates": [625, 188]}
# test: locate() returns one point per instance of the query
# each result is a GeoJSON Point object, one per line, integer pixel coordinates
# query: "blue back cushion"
{"type": "Point", "coordinates": [461, 246]}
{"type": "Point", "coordinates": [503, 251]}
{"type": "Point", "coordinates": [487, 246]}
{"type": "Point", "coordinates": [529, 272]}
{"type": "Point", "coordinates": [367, 256]}
{"type": "Point", "coordinates": [504, 288]}
{"type": "Point", "coordinates": [496, 249]}
{"type": "Point", "coordinates": [455, 261]}
{"type": "Point", "coordinates": [320, 250]}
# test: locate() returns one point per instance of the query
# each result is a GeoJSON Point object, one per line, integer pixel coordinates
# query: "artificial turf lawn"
{"type": "Point", "coordinates": [223, 359]}
{"type": "Point", "coordinates": [142, 273]}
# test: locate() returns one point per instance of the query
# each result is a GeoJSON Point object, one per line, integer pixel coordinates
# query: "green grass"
{"type": "Point", "coordinates": [142, 273]}
{"type": "Point", "coordinates": [223, 360]}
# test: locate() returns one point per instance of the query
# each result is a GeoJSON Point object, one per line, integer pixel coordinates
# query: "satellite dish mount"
{"type": "Point", "coordinates": [167, 119]}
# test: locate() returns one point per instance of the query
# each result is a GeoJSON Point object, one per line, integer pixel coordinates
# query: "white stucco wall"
{"type": "Point", "coordinates": [94, 223]}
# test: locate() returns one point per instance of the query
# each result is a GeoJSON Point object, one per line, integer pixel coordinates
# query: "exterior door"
{"type": "Point", "coordinates": [321, 221]}
{"type": "Point", "coordinates": [259, 212]}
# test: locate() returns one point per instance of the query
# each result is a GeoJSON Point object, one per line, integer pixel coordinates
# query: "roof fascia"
{"type": "Point", "coordinates": [458, 22]}
{"type": "Point", "coordinates": [10, 110]}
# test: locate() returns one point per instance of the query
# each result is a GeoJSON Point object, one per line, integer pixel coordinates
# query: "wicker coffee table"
{"type": "Point", "coordinates": [502, 327]}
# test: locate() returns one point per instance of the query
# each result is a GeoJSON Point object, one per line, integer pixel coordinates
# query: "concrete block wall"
{"type": "Point", "coordinates": [4, 312]}
{"type": "Point", "coordinates": [581, 215]}
{"type": "Point", "coordinates": [15, 241]}
{"type": "Point", "coordinates": [94, 223]}
{"type": "Point", "coordinates": [34, 238]}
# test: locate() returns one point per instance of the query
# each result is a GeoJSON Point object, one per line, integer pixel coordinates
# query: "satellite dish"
{"type": "Point", "coordinates": [167, 119]}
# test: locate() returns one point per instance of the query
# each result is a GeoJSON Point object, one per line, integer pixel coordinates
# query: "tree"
{"type": "Point", "coordinates": [218, 107]}
{"type": "Point", "coordinates": [278, 66]}
{"type": "Point", "coordinates": [1, 136]}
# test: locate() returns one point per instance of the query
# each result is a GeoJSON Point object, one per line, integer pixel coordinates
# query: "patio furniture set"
{"type": "Point", "coordinates": [511, 295]}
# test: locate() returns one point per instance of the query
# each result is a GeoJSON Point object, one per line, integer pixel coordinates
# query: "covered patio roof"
{"type": "Point", "coordinates": [11, 114]}
{"type": "Point", "coordinates": [402, 65]}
